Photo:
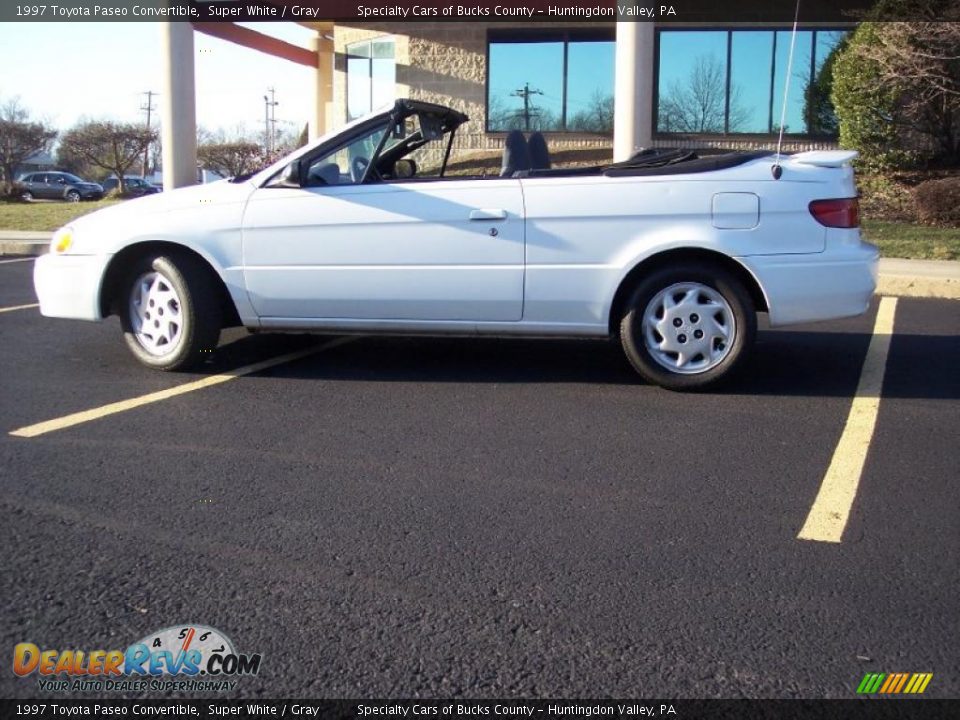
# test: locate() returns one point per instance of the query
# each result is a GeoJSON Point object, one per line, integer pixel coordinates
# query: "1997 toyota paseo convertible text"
{"type": "Point", "coordinates": [365, 231]}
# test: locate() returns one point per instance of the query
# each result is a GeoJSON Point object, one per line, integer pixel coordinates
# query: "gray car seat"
{"type": "Point", "coordinates": [539, 154]}
{"type": "Point", "coordinates": [516, 154]}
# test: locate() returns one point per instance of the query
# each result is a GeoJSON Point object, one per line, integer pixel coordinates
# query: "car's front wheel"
{"type": "Point", "coordinates": [26, 195]}
{"type": "Point", "coordinates": [688, 327]}
{"type": "Point", "coordinates": [170, 311]}
{"type": "Point", "coordinates": [72, 196]}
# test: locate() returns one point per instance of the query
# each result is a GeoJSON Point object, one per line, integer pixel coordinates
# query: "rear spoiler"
{"type": "Point", "coordinates": [825, 158]}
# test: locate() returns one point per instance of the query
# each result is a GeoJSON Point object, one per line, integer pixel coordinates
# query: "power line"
{"type": "Point", "coordinates": [525, 92]}
{"type": "Point", "coordinates": [270, 119]}
{"type": "Point", "coordinates": [148, 108]}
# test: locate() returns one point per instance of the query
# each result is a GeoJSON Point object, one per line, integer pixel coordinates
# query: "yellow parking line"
{"type": "Point", "coordinates": [831, 510]}
{"type": "Point", "coordinates": [124, 405]}
{"type": "Point", "coordinates": [18, 307]}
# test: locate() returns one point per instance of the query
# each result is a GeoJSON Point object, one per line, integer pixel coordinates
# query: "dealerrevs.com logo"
{"type": "Point", "coordinates": [894, 683]}
{"type": "Point", "coordinates": [183, 658]}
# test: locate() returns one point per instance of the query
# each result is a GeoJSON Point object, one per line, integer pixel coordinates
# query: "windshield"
{"type": "Point", "coordinates": [278, 165]}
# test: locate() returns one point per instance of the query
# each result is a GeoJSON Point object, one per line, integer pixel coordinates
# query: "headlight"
{"type": "Point", "coordinates": [62, 240]}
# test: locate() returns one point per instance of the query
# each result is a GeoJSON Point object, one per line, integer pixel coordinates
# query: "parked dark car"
{"type": "Point", "coordinates": [57, 185]}
{"type": "Point", "coordinates": [135, 186]}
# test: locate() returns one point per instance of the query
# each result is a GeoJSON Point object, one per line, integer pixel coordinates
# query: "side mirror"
{"type": "Point", "coordinates": [290, 177]}
{"type": "Point", "coordinates": [404, 168]}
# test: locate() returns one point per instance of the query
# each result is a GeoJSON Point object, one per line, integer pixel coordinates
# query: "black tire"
{"type": "Point", "coordinates": [198, 315]}
{"type": "Point", "coordinates": [26, 195]}
{"type": "Point", "coordinates": [719, 359]}
{"type": "Point", "coordinates": [72, 196]}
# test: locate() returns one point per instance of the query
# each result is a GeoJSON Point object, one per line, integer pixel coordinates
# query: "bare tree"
{"type": "Point", "coordinates": [114, 147]}
{"type": "Point", "coordinates": [20, 138]}
{"type": "Point", "coordinates": [236, 151]}
{"type": "Point", "coordinates": [597, 118]}
{"type": "Point", "coordinates": [502, 118]}
{"type": "Point", "coordinates": [699, 105]}
{"type": "Point", "coordinates": [231, 158]}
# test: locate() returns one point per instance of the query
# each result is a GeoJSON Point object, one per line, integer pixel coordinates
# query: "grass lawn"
{"type": "Point", "coordinates": [915, 242]}
{"type": "Point", "coordinates": [40, 216]}
{"type": "Point", "coordinates": [897, 240]}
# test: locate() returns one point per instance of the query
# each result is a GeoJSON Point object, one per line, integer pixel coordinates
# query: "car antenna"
{"type": "Point", "coordinates": [777, 170]}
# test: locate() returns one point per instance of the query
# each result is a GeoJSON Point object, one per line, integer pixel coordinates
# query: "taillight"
{"type": "Point", "coordinates": [839, 213]}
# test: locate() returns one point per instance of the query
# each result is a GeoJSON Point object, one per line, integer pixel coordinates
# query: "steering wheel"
{"type": "Point", "coordinates": [358, 167]}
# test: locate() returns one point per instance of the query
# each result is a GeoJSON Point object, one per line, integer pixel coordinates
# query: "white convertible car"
{"type": "Point", "coordinates": [365, 231]}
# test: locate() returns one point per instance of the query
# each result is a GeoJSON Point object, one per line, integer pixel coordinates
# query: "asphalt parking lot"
{"type": "Point", "coordinates": [395, 517]}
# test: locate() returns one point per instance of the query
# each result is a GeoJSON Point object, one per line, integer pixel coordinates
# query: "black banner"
{"type": "Point", "coordinates": [873, 709]}
{"type": "Point", "coordinates": [512, 11]}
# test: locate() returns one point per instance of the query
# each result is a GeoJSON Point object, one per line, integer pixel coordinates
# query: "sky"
{"type": "Point", "coordinates": [63, 72]}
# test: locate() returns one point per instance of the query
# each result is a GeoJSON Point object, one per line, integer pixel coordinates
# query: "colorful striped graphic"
{"type": "Point", "coordinates": [894, 683]}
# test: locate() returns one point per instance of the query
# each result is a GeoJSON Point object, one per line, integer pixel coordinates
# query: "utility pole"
{"type": "Point", "coordinates": [525, 92]}
{"type": "Point", "coordinates": [269, 119]}
{"type": "Point", "coordinates": [148, 108]}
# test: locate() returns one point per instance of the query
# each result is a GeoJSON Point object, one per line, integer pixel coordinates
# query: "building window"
{"type": "Point", "coordinates": [556, 82]}
{"type": "Point", "coordinates": [732, 81]}
{"type": "Point", "coordinates": [371, 76]}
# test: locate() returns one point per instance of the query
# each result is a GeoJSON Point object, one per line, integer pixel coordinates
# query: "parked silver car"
{"type": "Point", "coordinates": [57, 185]}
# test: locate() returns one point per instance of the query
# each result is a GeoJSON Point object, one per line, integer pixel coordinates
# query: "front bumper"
{"type": "Point", "coordinates": [833, 284]}
{"type": "Point", "coordinates": [68, 286]}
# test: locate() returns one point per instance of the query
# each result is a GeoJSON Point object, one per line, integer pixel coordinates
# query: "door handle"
{"type": "Point", "coordinates": [488, 214]}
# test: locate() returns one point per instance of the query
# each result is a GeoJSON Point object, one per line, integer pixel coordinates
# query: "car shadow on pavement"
{"type": "Point", "coordinates": [828, 364]}
{"type": "Point", "coordinates": [784, 363]}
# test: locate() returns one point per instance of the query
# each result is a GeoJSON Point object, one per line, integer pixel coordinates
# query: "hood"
{"type": "Point", "coordinates": [177, 215]}
{"type": "Point", "coordinates": [188, 198]}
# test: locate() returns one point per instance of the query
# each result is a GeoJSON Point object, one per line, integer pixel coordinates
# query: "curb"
{"type": "Point", "coordinates": [30, 248]}
{"type": "Point", "coordinates": [918, 287]}
{"type": "Point", "coordinates": [931, 279]}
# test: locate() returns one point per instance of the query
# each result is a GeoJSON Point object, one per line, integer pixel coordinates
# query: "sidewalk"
{"type": "Point", "coordinates": [905, 278]}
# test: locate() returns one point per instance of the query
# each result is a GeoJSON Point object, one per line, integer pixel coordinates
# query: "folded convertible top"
{"type": "Point", "coordinates": [677, 162]}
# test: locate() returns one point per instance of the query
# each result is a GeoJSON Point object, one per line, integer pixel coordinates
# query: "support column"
{"type": "Point", "coordinates": [321, 121]}
{"type": "Point", "coordinates": [179, 132]}
{"type": "Point", "coordinates": [633, 106]}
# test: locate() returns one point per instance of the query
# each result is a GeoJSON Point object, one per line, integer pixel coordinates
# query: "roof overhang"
{"type": "Point", "coordinates": [254, 40]}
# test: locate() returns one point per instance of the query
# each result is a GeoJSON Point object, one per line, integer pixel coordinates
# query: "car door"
{"type": "Point", "coordinates": [54, 186]}
{"type": "Point", "coordinates": [39, 185]}
{"type": "Point", "coordinates": [444, 250]}
{"type": "Point", "coordinates": [27, 183]}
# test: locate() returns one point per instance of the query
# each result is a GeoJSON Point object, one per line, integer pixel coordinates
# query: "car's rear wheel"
{"type": "Point", "coordinates": [688, 327]}
{"type": "Point", "coordinates": [72, 196]}
{"type": "Point", "coordinates": [26, 195]}
{"type": "Point", "coordinates": [170, 311]}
